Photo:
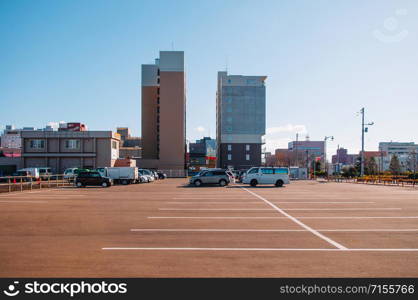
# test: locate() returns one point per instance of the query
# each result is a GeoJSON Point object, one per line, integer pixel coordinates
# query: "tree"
{"type": "Point", "coordinates": [395, 166]}
{"type": "Point", "coordinates": [349, 171]}
{"type": "Point", "coordinates": [371, 166]}
{"type": "Point", "coordinates": [412, 161]}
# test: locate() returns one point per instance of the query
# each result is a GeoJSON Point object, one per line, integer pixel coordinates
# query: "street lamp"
{"type": "Point", "coordinates": [363, 131]}
{"type": "Point", "coordinates": [325, 151]}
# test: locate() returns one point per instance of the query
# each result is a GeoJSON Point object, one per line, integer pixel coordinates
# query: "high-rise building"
{"type": "Point", "coordinates": [164, 112]}
{"type": "Point", "coordinates": [240, 120]}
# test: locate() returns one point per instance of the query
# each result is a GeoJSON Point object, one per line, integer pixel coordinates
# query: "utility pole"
{"type": "Point", "coordinates": [296, 150]}
{"type": "Point", "coordinates": [325, 152]}
{"type": "Point", "coordinates": [363, 131]}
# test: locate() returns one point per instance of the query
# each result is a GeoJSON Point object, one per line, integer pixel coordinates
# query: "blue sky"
{"type": "Point", "coordinates": [80, 61]}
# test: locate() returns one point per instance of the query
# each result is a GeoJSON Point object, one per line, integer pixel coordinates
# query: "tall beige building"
{"type": "Point", "coordinates": [164, 112]}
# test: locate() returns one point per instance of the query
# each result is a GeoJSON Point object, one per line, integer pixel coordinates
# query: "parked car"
{"type": "Point", "coordinates": [147, 174]}
{"type": "Point", "coordinates": [25, 176]}
{"type": "Point", "coordinates": [220, 177]}
{"type": "Point", "coordinates": [156, 177]}
{"type": "Point", "coordinates": [265, 175]}
{"type": "Point", "coordinates": [71, 173]}
{"type": "Point", "coordinates": [161, 175]}
{"type": "Point", "coordinates": [34, 172]}
{"type": "Point", "coordinates": [143, 178]}
{"type": "Point", "coordinates": [92, 178]}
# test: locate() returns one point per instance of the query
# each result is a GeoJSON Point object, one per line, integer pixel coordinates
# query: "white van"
{"type": "Point", "coordinates": [264, 175]}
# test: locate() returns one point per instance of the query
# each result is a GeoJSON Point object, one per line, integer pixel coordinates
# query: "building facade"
{"type": "Point", "coordinates": [240, 120]}
{"type": "Point", "coordinates": [60, 150]}
{"type": "Point", "coordinates": [202, 154]}
{"type": "Point", "coordinates": [406, 152]}
{"type": "Point", "coordinates": [164, 112]}
{"type": "Point", "coordinates": [11, 138]}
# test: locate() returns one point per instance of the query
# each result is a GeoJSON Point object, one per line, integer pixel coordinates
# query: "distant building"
{"type": "Point", "coordinates": [130, 147]}
{"type": "Point", "coordinates": [164, 113]}
{"type": "Point", "coordinates": [403, 150]}
{"type": "Point", "coordinates": [60, 150]}
{"type": "Point", "coordinates": [240, 120]}
{"type": "Point", "coordinates": [342, 157]}
{"type": "Point", "coordinates": [11, 137]}
{"type": "Point", "coordinates": [202, 154]}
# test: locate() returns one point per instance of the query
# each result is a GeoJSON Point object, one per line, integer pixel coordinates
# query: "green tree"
{"type": "Point", "coordinates": [371, 166]}
{"type": "Point", "coordinates": [412, 162]}
{"type": "Point", "coordinates": [395, 165]}
{"type": "Point", "coordinates": [349, 171]}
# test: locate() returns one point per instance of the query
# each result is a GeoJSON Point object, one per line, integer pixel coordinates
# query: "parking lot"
{"type": "Point", "coordinates": [168, 229]}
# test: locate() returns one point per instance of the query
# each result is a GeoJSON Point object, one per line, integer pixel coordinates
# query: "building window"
{"type": "Point", "coordinates": [247, 147]}
{"type": "Point", "coordinates": [229, 156]}
{"type": "Point", "coordinates": [247, 157]}
{"type": "Point", "coordinates": [37, 144]}
{"type": "Point", "coordinates": [114, 145]}
{"type": "Point", "coordinates": [229, 119]}
{"type": "Point", "coordinates": [229, 108]}
{"type": "Point", "coordinates": [72, 144]}
{"type": "Point", "coordinates": [229, 147]}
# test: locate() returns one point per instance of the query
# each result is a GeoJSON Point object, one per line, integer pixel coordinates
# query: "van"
{"type": "Point", "coordinates": [265, 175]}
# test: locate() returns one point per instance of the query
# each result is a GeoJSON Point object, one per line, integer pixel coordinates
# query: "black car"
{"type": "Point", "coordinates": [161, 175]}
{"type": "Point", "coordinates": [92, 178]}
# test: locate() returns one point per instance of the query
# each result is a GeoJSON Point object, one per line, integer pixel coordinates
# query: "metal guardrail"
{"type": "Point", "coordinates": [24, 183]}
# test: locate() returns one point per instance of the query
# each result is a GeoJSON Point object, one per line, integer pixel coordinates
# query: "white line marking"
{"type": "Point", "coordinates": [260, 249]}
{"type": "Point", "coordinates": [308, 218]}
{"type": "Point", "coordinates": [258, 202]}
{"type": "Point", "coordinates": [270, 209]}
{"type": "Point", "coordinates": [313, 231]}
{"type": "Point", "coordinates": [21, 201]}
{"type": "Point", "coordinates": [216, 198]}
{"type": "Point", "coordinates": [268, 230]}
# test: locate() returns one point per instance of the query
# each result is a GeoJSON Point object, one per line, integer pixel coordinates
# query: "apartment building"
{"type": "Point", "coordinates": [240, 120]}
{"type": "Point", "coordinates": [60, 150]}
{"type": "Point", "coordinates": [164, 113]}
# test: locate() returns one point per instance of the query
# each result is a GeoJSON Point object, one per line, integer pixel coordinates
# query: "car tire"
{"type": "Point", "coordinates": [197, 183]}
{"type": "Point", "coordinates": [253, 182]}
{"type": "Point", "coordinates": [222, 182]}
{"type": "Point", "coordinates": [279, 183]}
{"type": "Point", "coordinates": [105, 184]}
{"type": "Point", "coordinates": [79, 184]}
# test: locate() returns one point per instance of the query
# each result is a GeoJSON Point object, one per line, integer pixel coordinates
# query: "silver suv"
{"type": "Point", "coordinates": [210, 177]}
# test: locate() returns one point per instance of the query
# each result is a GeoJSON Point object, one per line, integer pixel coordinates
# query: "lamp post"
{"type": "Point", "coordinates": [325, 152]}
{"type": "Point", "coordinates": [363, 131]}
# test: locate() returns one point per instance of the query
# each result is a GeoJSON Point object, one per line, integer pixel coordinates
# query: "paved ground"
{"type": "Point", "coordinates": [166, 229]}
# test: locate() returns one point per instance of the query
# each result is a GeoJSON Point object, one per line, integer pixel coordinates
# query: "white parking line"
{"type": "Point", "coordinates": [308, 218]}
{"type": "Point", "coordinates": [270, 209]}
{"type": "Point", "coordinates": [268, 230]}
{"type": "Point", "coordinates": [215, 198]}
{"type": "Point", "coordinates": [22, 201]}
{"type": "Point", "coordinates": [262, 249]}
{"type": "Point", "coordinates": [258, 202]}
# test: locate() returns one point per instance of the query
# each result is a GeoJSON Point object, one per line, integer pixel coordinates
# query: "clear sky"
{"type": "Point", "coordinates": [75, 60]}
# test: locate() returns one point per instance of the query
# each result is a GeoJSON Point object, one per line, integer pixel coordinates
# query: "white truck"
{"type": "Point", "coordinates": [122, 175]}
{"type": "Point", "coordinates": [265, 175]}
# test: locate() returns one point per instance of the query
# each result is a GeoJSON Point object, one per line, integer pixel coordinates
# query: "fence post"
{"type": "Point", "coordinates": [10, 187]}
{"type": "Point", "coordinates": [21, 184]}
